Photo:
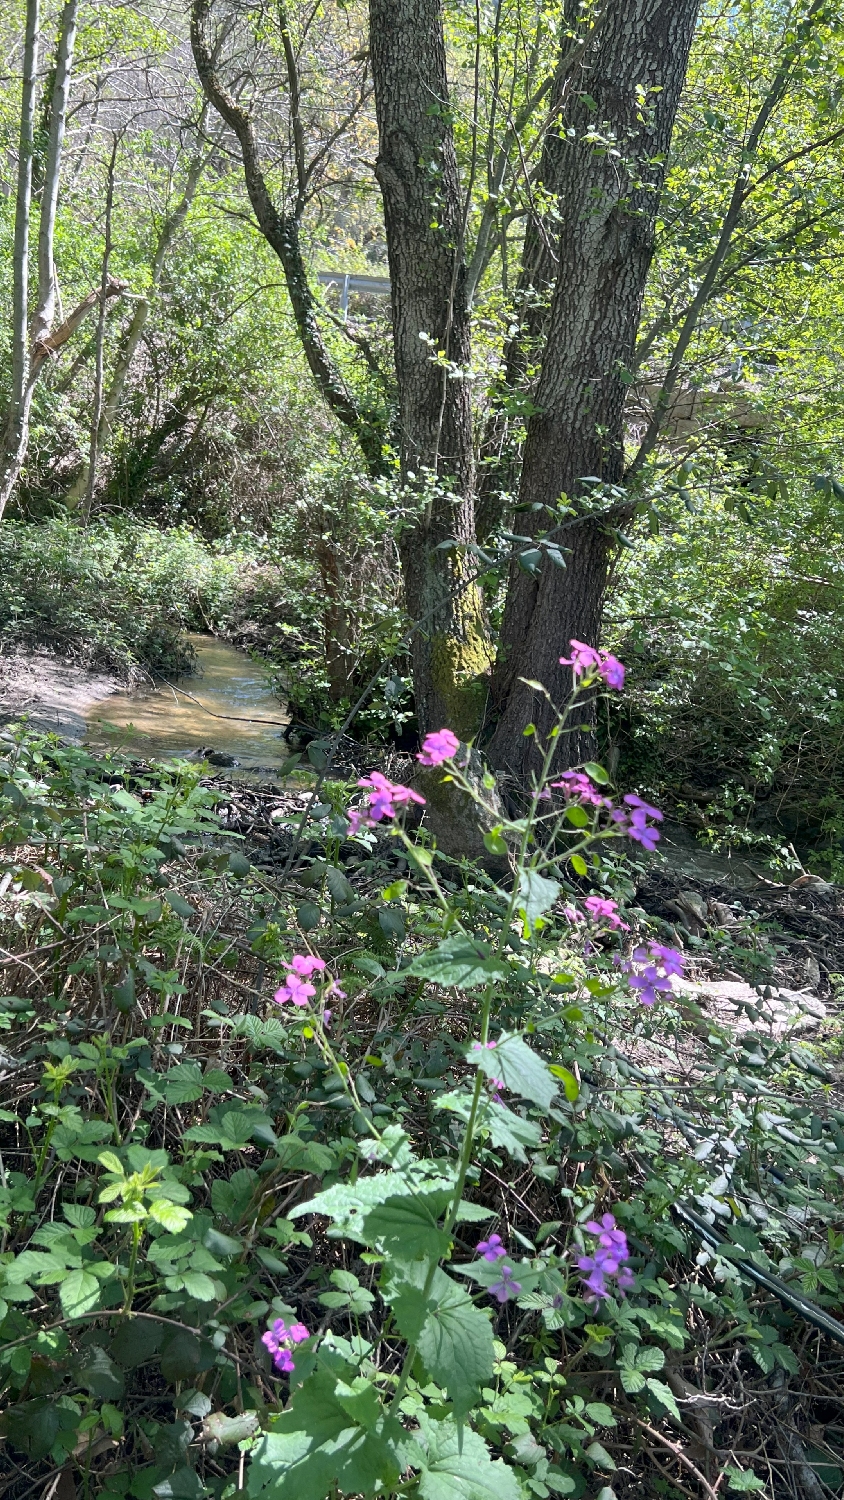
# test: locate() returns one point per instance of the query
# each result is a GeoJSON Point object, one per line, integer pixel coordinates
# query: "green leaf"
{"type": "Point", "coordinates": [339, 887]}
{"type": "Point", "coordinates": [79, 1293]}
{"type": "Point", "coordinates": [571, 1087]}
{"type": "Point", "coordinates": [452, 1336]}
{"type": "Point", "coordinates": [518, 1067]}
{"type": "Point", "coordinates": [458, 1465]}
{"type": "Point", "coordinates": [391, 923]}
{"type": "Point", "coordinates": [407, 1226]}
{"type": "Point", "coordinates": [171, 1215]}
{"type": "Point", "coordinates": [178, 904]}
{"type": "Point", "coordinates": [596, 773]}
{"type": "Point", "coordinates": [744, 1481]}
{"type": "Point", "coordinates": [507, 1130]}
{"type": "Point", "coordinates": [181, 1084]}
{"type": "Point", "coordinates": [460, 961]}
{"type": "Point", "coordinates": [495, 843]}
{"type": "Point", "coordinates": [536, 894]}
{"type": "Point", "coordinates": [98, 1374]}
{"type": "Point", "coordinates": [308, 915]}
{"type": "Point", "coordinates": [315, 1446]}
{"type": "Point", "coordinates": [239, 865]}
{"type": "Point", "coordinates": [664, 1395]}
{"type": "Point", "coordinates": [578, 864]}
{"type": "Point", "coordinates": [199, 1286]}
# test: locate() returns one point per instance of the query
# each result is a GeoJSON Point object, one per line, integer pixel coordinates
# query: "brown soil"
{"type": "Point", "coordinates": [52, 693]}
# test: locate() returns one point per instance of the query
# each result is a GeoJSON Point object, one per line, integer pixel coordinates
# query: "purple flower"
{"type": "Point", "coordinates": [633, 819]}
{"type": "Point", "coordinates": [585, 661]}
{"type": "Point", "coordinates": [607, 1260]}
{"type": "Point", "coordinates": [652, 977]}
{"type": "Point", "coordinates": [384, 797]}
{"type": "Point", "coordinates": [612, 671]}
{"type": "Point", "coordinates": [278, 1340]}
{"type": "Point", "coordinates": [491, 1249]}
{"type": "Point", "coordinates": [577, 784]}
{"type": "Point", "coordinates": [296, 988]}
{"type": "Point", "coordinates": [599, 907]}
{"type": "Point", "coordinates": [438, 746]}
{"type": "Point", "coordinates": [506, 1287]}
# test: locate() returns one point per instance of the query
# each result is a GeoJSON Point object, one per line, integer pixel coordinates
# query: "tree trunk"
{"type": "Point", "coordinates": [417, 172]}
{"type": "Point", "coordinates": [17, 417]}
{"type": "Point", "coordinates": [611, 176]}
{"type": "Point", "coordinates": [282, 232]}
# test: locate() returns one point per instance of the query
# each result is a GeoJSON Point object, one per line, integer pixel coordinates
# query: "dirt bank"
{"type": "Point", "coordinates": [52, 693]}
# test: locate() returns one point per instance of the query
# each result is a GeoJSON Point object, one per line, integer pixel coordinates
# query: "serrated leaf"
{"type": "Point", "coordinates": [452, 1336]}
{"type": "Point", "coordinates": [517, 1066]}
{"type": "Point", "coordinates": [79, 1293]}
{"type": "Point", "coordinates": [458, 1465]}
{"type": "Point", "coordinates": [199, 1286]}
{"type": "Point", "coordinates": [316, 1446]}
{"type": "Point", "coordinates": [339, 888]}
{"type": "Point", "coordinates": [460, 961]}
{"type": "Point", "coordinates": [308, 915]}
{"type": "Point", "coordinates": [536, 894]}
{"type": "Point", "coordinates": [508, 1131]}
{"type": "Point", "coordinates": [664, 1395]}
{"type": "Point", "coordinates": [182, 1084]}
{"type": "Point", "coordinates": [172, 1216]}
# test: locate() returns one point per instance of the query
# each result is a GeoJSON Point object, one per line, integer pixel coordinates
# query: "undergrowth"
{"type": "Point", "coordinates": [456, 1216]}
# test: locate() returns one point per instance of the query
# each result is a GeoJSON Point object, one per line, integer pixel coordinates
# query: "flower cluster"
{"type": "Point", "coordinates": [279, 1339]}
{"type": "Point", "coordinates": [440, 745]}
{"type": "Point", "coordinates": [607, 1259]}
{"type": "Point", "coordinates": [586, 662]}
{"type": "Point", "coordinates": [494, 1250]}
{"type": "Point", "coordinates": [650, 969]}
{"type": "Point", "coordinates": [606, 910]}
{"type": "Point", "coordinates": [296, 987]}
{"type": "Point", "coordinates": [577, 784]}
{"type": "Point", "coordinates": [633, 820]}
{"type": "Point", "coordinates": [384, 797]}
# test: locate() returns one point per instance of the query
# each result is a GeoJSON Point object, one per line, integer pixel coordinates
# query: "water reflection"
{"type": "Point", "coordinates": [167, 722]}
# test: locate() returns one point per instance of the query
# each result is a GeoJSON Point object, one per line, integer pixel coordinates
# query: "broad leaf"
{"type": "Point", "coordinates": [507, 1130]}
{"type": "Point", "coordinates": [536, 894]}
{"type": "Point", "coordinates": [460, 961]}
{"type": "Point", "coordinates": [315, 1445]}
{"type": "Point", "coordinates": [452, 1336]}
{"type": "Point", "coordinates": [517, 1066]}
{"type": "Point", "coordinates": [79, 1293]}
{"type": "Point", "coordinates": [458, 1466]}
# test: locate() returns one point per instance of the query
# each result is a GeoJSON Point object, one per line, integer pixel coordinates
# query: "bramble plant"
{"type": "Point", "coordinates": [393, 1217]}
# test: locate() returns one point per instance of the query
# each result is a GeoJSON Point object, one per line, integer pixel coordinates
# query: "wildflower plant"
{"type": "Point", "coordinates": [411, 1215]}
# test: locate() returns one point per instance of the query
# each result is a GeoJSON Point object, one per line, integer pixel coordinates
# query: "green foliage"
{"type": "Point", "coordinates": [194, 1172]}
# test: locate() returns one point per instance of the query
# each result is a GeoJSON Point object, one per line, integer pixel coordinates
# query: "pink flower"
{"type": "Point", "coordinates": [438, 746]}
{"type": "Point", "coordinates": [577, 784]}
{"type": "Point", "coordinates": [294, 989]}
{"type": "Point", "coordinates": [384, 797]}
{"type": "Point", "coordinates": [572, 915]}
{"type": "Point", "coordinates": [278, 1340]}
{"type": "Point", "coordinates": [585, 661]}
{"type": "Point", "coordinates": [306, 964]}
{"type": "Point", "coordinates": [633, 819]}
{"type": "Point", "coordinates": [598, 907]}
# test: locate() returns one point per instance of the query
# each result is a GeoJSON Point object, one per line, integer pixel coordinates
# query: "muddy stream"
{"type": "Point", "coordinates": [226, 708]}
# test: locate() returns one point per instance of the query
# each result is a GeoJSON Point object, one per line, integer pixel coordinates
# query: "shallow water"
{"type": "Point", "coordinates": [213, 709]}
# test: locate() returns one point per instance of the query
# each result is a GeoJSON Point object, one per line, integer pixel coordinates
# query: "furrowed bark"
{"type": "Point", "coordinates": [281, 231]}
{"type": "Point", "coordinates": [417, 172]}
{"type": "Point", "coordinates": [611, 175]}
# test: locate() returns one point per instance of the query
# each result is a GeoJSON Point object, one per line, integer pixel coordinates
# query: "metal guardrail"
{"type": "Point", "coordinates": [350, 281]}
